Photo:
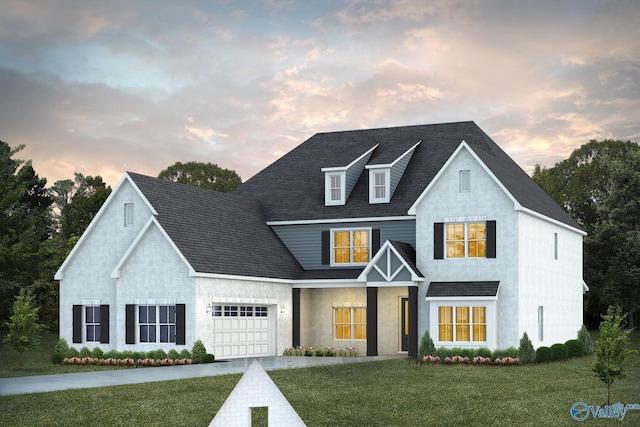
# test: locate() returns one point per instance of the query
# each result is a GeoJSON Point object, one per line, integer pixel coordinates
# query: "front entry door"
{"type": "Point", "coordinates": [404, 324]}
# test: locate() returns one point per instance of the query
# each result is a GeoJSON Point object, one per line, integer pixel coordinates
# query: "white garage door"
{"type": "Point", "coordinates": [241, 330]}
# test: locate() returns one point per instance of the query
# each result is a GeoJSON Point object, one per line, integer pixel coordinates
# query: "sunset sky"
{"type": "Point", "coordinates": [102, 87]}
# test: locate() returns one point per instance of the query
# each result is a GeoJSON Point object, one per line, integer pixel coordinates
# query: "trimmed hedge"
{"type": "Point", "coordinates": [505, 352]}
{"type": "Point", "coordinates": [559, 351]}
{"type": "Point", "coordinates": [208, 358]}
{"type": "Point", "coordinates": [543, 354]}
{"type": "Point", "coordinates": [574, 348]}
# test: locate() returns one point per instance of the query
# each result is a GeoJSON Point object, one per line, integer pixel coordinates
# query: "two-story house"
{"type": "Point", "coordinates": [362, 239]}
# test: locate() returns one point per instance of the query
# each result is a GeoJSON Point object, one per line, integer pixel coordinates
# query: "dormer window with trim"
{"type": "Point", "coordinates": [385, 174]}
{"type": "Point", "coordinates": [379, 190]}
{"type": "Point", "coordinates": [334, 188]}
{"type": "Point", "coordinates": [340, 180]}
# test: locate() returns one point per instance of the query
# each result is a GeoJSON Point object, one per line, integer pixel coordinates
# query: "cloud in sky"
{"type": "Point", "coordinates": [103, 87]}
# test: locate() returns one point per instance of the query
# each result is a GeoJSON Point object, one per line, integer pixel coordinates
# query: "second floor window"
{"type": "Point", "coordinates": [466, 240]}
{"type": "Point", "coordinates": [351, 246]}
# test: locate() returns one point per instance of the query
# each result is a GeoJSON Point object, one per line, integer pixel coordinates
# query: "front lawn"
{"type": "Point", "coordinates": [385, 393]}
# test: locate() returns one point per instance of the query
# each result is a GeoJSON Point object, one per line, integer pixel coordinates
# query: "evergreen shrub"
{"type": "Point", "coordinates": [97, 353]}
{"type": "Point", "coordinates": [483, 352]}
{"type": "Point", "coordinates": [426, 348]}
{"type": "Point", "coordinates": [585, 338]}
{"type": "Point", "coordinates": [526, 352]}
{"type": "Point", "coordinates": [543, 354]}
{"type": "Point", "coordinates": [198, 352]}
{"type": "Point", "coordinates": [208, 358]}
{"type": "Point", "coordinates": [505, 352]}
{"type": "Point", "coordinates": [559, 351]}
{"type": "Point", "coordinates": [574, 348]}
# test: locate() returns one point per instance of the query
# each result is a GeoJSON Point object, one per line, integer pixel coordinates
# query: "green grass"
{"type": "Point", "coordinates": [385, 393]}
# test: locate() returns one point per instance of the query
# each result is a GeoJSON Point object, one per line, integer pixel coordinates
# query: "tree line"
{"type": "Point", "coordinates": [598, 185]}
{"type": "Point", "coordinates": [39, 225]}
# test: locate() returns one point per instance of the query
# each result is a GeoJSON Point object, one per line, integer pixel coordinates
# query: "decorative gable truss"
{"type": "Point", "coordinates": [393, 265]}
{"type": "Point", "coordinates": [340, 180]}
{"type": "Point", "coordinates": [384, 178]}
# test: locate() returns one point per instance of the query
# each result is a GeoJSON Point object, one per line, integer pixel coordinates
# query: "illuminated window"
{"type": "Point", "coordinates": [469, 324]}
{"type": "Point", "coordinates": [466, 240]}
{"type": "Point", "coordinates": [445, 323]}
{"type": "Point", "coordinates": [350, 246]}
{"type": "Point", "coordinates": [350, 323]}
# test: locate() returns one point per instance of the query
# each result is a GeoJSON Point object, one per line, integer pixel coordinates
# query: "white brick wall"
{"type": "Point", "coordinates": [554, 284]}
{"type": "Point", "coordinates": [86, 276]}
{"type": "Point", "coordinates": [487, 201]}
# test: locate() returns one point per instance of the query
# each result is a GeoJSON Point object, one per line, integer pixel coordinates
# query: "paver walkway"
{"type": "Point", "coordinates": [46, 383]}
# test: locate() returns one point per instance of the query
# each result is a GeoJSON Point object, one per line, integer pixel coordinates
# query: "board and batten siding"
{"type": "Point", "coordinates": [305, 241]}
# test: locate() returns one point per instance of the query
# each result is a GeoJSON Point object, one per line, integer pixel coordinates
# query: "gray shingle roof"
{"type": "Point", "coordinates": [463, 289]}
{"type": "Point", "coordinates": [292, 188]}
{"type": "Point", "coordinates": [406, 251]}
{"type": "Point", "coordinates": [218, 232]}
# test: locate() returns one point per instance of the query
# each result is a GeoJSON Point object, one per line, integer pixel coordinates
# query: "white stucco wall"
{"type": "Point", "coordinates": [554, 284]}
{"type": "Point", "coordinates": [154, 274]}
{"type": "Point", "coordinates": [86, 277]}
{"type": "Point", "coordinates": [238, 291]}
{"type": "Point", "coordinates": [316, 316]}
{"type": "Point", "coordinates": [485, 202]}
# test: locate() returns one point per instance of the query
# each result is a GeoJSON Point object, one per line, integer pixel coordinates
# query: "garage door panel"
{"type": "Point", "coordinates": [241, 331]}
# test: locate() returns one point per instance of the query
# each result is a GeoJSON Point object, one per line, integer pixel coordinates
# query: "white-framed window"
{"type": "Point", "coordinates": [128, 214]}
{"type": "Point", "coordinates": [350, 246]}
{"type": "Point", "coordinates": [379, 186]}
{"type": "Point", "coordinates": [335, 188]}
{"type": "Point", "coordinates": [466, 240]}
{"type": "Point", "coordinates": [465, 181]}
{"type": "Point", "coordinates": [350, 323]}
{"type": "Point", "coordinates": [462, 323]}
{"type": "Point", "coordinates": [92, 323]}
{"type": "Point", "coordinates": [157, 323]}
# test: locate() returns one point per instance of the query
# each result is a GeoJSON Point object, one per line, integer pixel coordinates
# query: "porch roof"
{"type": "Point", "coordinates": [463, 289]}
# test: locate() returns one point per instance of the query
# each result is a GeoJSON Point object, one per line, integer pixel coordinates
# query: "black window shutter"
{"type": "Point", "coordinates": [77, 323]}
{"type": "Point", "coordinates": [326, 247]}
{"type": "Point", "coordinates": [130, 321]}
{"type": "Point", "coordinates": [375, 241]}
{"type": "Point", "coordinates": [180, 324]}
{"type": "Point", "coordinates": [438, 240]}
{"type": "Point", "coordinates": [104, 324]}
{"type": "Point", "coordinates": [491, 239]}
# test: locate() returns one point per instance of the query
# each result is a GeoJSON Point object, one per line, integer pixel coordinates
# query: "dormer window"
{"type": "Point", "coordinates": [334, 188]}
{"type": "Point", "coordinates": [379, 185]}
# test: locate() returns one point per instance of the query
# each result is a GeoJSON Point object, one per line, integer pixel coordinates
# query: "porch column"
{"type": "Point", "coordinates": [296, 317]}
{"type": "Point", "coordinates": [372, 321]}
{"type": "Point", "coordinates": [413, 322]}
